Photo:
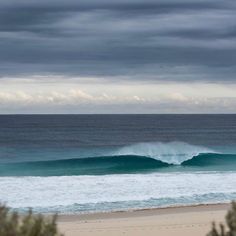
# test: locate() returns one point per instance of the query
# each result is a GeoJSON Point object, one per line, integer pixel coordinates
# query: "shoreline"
{"type": "Point", "coordinates": [85, 215]}
{"type": "Point", "coordinates": [194, 220]}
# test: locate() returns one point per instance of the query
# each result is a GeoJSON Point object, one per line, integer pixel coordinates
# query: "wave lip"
{"type": "Point", "coordinates": [171, 153]}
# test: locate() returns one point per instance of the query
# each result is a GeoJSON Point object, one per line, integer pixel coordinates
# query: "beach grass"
{"type": "Point", "coordinates": [13, 224]}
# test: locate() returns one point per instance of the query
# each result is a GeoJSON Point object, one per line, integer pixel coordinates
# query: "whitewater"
{"type": "Point", "coordinates": [78, 194]}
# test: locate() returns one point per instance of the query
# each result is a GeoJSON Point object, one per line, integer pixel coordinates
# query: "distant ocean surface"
{"type": "Point", "coordinates": [94, 163]}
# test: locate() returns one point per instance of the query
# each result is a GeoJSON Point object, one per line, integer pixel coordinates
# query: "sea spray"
{"type": "Point", "coordinates": [171, 152]}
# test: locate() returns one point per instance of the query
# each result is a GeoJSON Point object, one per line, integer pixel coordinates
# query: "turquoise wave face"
{"type": "Point", "coordinates": [118, 165]}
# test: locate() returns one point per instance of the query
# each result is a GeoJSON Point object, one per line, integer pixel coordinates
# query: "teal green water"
{"type": "Point", "coordinates": [118, 165]}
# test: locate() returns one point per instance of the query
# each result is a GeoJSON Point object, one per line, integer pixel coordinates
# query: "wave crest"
{"type": "Point", "coordinates": [171, 153]}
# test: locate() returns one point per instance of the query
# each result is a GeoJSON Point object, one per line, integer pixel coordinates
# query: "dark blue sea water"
{"type": "Point", "coordinates": [81, 163]}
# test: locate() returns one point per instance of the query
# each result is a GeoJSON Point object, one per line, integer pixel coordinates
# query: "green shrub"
{"type": "Point", "coordinates": [11, 224]}
{"type": "Point", "coordinates": [230, 228]}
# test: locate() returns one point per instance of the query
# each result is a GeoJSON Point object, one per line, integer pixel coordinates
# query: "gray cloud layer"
{"type": "Point", "coordinates": [180, 40]}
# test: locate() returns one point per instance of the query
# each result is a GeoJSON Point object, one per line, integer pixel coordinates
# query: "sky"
{"type": "Point", "coordinates": [126, 56]}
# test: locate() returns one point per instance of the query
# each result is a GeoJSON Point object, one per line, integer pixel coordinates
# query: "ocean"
{"type": "Point", "coordinates": [73, 164]}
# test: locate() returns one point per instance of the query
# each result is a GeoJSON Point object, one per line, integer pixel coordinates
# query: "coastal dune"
{"type": "Point", "coordinates": [176, 221]}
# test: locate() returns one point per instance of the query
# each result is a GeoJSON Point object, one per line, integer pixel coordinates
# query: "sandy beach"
{"type": "Point", "coordinates": [182, 221]}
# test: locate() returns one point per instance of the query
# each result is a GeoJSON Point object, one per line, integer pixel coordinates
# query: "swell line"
{"type": "Point", "coordinates": [112, 165]}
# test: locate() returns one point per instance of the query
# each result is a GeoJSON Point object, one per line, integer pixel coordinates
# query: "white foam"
{"type": "Point", "coordinates": [171, 153]}
{"type": "Point", "coordinates": [51, 192]}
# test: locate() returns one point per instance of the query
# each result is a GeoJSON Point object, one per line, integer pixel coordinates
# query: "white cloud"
{"type": "Point", "coordinates": [75, 97]}
{"type": "Point", "coordinates": [178, 97]}
{"type": "Point", "coordinates": [70, 97]}
{"type": "Point", "coordinates": [54, 97]}
{"type": "Point", "coordinates": [21, 96]}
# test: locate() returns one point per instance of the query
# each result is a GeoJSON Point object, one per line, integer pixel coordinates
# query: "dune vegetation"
{"type": "Point", "coordinates": [13, 224]}
{"type": "Point", "coordinates": [227, 229]}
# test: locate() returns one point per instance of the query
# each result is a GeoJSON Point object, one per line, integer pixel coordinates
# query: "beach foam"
{"type": "Point", "coordinates": [110, 192]}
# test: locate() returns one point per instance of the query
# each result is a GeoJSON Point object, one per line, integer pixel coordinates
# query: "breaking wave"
{"type": "Point", "coordinates": [144, 157]}
{"type": "Point", "coordinates": [171, 153]}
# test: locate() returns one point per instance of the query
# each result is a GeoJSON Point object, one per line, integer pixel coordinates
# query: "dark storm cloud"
{"type": "Point", "coordinates": [163, 40]}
